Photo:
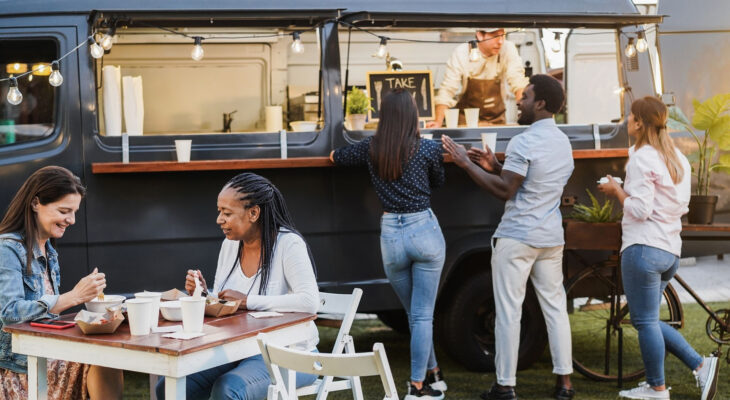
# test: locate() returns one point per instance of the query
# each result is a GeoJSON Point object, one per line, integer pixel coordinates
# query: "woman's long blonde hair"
{"type": "Point", "coordinates": [652, 114]}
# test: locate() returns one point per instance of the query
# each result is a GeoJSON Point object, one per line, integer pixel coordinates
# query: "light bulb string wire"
{"type": "Point", "coordinates": [83, 43]}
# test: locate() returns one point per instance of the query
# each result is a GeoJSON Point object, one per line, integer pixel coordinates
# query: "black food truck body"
{"type": "Point", "coordinates": [145, 223]}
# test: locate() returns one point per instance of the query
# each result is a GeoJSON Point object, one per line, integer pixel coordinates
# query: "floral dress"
{"type": "Point", "coordinates": [66, 379]}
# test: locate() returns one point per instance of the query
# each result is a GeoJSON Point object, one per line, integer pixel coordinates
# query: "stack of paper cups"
{"type": "Point", "coordinates": [274, 119]}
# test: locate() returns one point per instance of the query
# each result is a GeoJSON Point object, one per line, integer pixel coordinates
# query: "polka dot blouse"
{"type": "Point", "coordinates": [412, 191]}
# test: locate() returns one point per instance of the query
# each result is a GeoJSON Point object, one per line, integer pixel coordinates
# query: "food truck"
{"type": "Point", "coordinates": [233, 77]}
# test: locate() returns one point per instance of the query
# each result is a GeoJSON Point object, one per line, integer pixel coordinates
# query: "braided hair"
{"type": "Point", "coordinates": [255, 190]}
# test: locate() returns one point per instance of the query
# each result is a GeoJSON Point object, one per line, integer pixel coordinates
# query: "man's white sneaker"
{"type": "Point", "coordinates": [644, 392]}
{"type": "Point", "coordinates": [706, 377]}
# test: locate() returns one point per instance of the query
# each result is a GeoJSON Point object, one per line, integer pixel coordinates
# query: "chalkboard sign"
{"type": "Point", "coordinates": [418, 83]}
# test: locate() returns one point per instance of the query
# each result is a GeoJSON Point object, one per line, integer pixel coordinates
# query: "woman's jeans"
{"type": "Point", "coordinates": [413, 251]}
{"type": "Point", "coordinates": [246, 379]}
{"type": "Point", "coordinates": [646, 271]}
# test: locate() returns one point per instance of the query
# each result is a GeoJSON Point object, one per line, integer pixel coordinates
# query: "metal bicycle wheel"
{"type": "Point", "coordinates": [592, 294]}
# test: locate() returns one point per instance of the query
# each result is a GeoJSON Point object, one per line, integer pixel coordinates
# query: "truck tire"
{"type": "Point", "coordinates": [396, 320]}
{"type": "Point", "coordinates": [466, 325]}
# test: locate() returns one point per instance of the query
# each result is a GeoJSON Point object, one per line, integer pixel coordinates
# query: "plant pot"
{"type": "Point", "coordinates": [356, 121]}
{"type": "Point", "coordinates": [701, 209]}
{"type": "Point", "coordinates": [581, 235]}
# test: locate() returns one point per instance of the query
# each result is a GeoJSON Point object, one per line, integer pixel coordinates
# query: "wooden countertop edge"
{"type": "Point", "coordinates": [271, 163]}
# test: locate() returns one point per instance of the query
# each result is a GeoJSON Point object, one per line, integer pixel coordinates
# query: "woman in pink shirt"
{"type": "Point", "coordinates": [655, 196]}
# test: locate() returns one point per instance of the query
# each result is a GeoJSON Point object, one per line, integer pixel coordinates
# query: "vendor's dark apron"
{"type": "Point", "coordinates": [486, 95]}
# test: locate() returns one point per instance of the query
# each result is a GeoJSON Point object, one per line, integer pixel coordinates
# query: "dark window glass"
{"type": "Point", "coordinates": [33, 118]}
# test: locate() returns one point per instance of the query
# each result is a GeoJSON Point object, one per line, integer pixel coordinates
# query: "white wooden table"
{"type": "Point", "coordinates": [226, 339]}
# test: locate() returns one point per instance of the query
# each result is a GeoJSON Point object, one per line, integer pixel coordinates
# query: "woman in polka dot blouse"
{"type": "Point", "coordinates": [404, 169]}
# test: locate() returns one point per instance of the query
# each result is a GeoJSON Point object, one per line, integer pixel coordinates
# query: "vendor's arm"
{"type": "Point", "coordinates": [450, 87]}
{"type": "Point", "coordinates": [503, 186]}
{"type": "Point", "coordinates": [514, 71]}
{"type": "Point", "coordinates": [299, 274]}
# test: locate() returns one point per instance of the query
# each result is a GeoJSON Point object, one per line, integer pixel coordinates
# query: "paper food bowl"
{"type": "Point", "coordinates": [110, 321]}
{"type": "Point", "coordinates": [110, 300]}
{"type": "Point", "coordinates": [303, 126]}
{"type": "Point", "coordinates": [171, 310]}
{"type": "Point", "coordinates": [215, 308]}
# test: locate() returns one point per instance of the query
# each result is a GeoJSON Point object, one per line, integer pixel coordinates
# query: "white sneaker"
{"type": "Point", "coordinates": [644, 392]}
{"type": "Point", "coordinates": [706, 377]}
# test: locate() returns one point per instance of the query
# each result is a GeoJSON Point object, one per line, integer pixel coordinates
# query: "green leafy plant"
{"type": "Point", "coordinates": [358, 102]}
{"type": "Point", "coordinates": [596, 212]}
{"type": "Point", "coordinates": [712, 117]}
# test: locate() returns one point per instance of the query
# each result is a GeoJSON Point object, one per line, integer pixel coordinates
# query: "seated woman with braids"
{"type": "Point", "coordinates": [265, 262]}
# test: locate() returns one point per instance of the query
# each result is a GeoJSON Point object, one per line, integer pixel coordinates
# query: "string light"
{"type": "Point", "coordinates": [630, 49]}
{"type": "Point", "coordinates": [197, 53]}
{"type": "Point", "coordinates": [641, 44]}
{"type": "Point", "coordinates": [382, 49]}
{"type": "Point", "coordinates": [14, 95]}
{"type": "Point", "coordinates": [557, 46]}
{"type": "Point", "coordinates": [56, 79]}
{"type": "Point", "coordinates": [296, 45]}
{"type": "Point", "coordinates": [474, 53]}
{"type": "Point", "coordinates": [94, 48]}
{"type": "Point", "coordinates": [108, 40]}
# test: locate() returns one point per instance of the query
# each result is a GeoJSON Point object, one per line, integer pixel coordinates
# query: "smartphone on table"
{"type": "Point", "coordinates": [52, 323]}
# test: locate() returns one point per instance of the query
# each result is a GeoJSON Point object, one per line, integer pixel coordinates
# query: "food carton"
{"type": "Point", "coordinates": [215, 307]}
{"type": "Point", "coordinates": [92, 323]}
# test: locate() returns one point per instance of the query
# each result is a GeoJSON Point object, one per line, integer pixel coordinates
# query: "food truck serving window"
{"type": "Point", "coordinates": [245, 80]}
{"type": "Point", "coordinates": [33, 118]}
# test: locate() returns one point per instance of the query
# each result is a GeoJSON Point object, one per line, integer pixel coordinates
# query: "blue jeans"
{"type": "Point", "coordinates": [646, 271]}
{"type": "Point", "coordinates": [413, 251]}
{"type": "Point", "coordinates": [246, 379]}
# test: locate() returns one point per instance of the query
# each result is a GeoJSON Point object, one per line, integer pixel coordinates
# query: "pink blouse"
{"type": "Point", "coordinates": [654, 208]}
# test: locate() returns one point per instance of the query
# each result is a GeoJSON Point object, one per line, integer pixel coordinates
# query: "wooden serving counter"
{"type": "Point", "coordinates": [270, 163]}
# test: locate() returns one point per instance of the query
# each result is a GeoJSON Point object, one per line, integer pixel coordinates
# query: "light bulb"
{"type": "Point", "coordinates": [630, 50]}
{"type": "Point", "coordinates": [94, 48]}
{"type": "Point", "coordinates": [641, 44]}
{"type": "Point", "coordinates": [30, 78]}
{"type": "Point", "coordinates": [556, 47]}
{"type": "Point", "coordinates": [474, 53]}
{"type": "Point", "coordinates": [197, 53]}
{"type": "Point", "coordinates": [108, 40]}
{"type": "Point", "coordinates": [55, 79]}
{"type": "Point", "coordinates": [296, 46]}
{"type": "Point", "coordinates": [382, 49]}
{"type": "Point", "coordinates": [14, 95]}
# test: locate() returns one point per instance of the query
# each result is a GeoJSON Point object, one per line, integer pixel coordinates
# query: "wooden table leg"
{"type": "Point", "coordinates": [37, 378]}
{"type": "Point", "coordinates": [175, 388]}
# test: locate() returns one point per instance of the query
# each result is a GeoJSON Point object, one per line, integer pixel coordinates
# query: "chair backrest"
{"type": "Point", "coordinates": [344, 365]}
{"type": "Point", "coordinates": [340, 306]}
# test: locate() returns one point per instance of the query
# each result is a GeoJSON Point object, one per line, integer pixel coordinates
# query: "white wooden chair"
{"type": "Point", "coordinates": [354, 365]}
{"type": "Point", "coordinates": [336, 307]}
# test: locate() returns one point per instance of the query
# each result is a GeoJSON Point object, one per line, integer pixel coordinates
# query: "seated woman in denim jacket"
{"type": "Point", "coordinates": [39, 214]}
{"type": "Point", "coordinates": [404, 170]}
{"type": "Point", "coordinates": [264, 262]}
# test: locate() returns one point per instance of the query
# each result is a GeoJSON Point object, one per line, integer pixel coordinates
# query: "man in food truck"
{"type": "Point", "coordinates": [476, 71]}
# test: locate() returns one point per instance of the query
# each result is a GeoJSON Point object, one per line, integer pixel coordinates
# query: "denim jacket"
{"type": "Point", "coordinates": [22, 295]}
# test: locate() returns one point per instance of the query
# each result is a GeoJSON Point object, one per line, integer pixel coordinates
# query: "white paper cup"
{"type": "Point", "coordinates": [427, 136]}
{"type": "Point", "coordinates": [489, 139]}
{"type": "Point", "coordinates": [154, 298]}
{"type": "Point", "coordinates": [472, 117]}
{"type": "Point", "coordinates": [452, 117]}
{"type": "Point", "coordinates": [182, 147]}
{"type": "Point", "coordinates": [138, 311]}
{"type": "Point", "coordinates": [193, 311]}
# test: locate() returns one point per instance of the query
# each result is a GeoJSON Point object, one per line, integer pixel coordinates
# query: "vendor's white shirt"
{"type": "Point", "coordinates": [459, 69]}
{"type": "Point", "coordinates": [654, 208]}
{"type": "Point", "coordinates": [292, 286]}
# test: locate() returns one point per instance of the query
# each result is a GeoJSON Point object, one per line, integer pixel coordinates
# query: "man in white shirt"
{"type": "Point", "coordinates": [478, 80]}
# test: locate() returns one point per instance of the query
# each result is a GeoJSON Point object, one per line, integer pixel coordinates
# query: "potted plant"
{"type": "Point", "coordinates": [593, 227]}
{"type": "Point", "coordinates": [358, 105]}
{"type": "Point", "coordinates": [713, 150]}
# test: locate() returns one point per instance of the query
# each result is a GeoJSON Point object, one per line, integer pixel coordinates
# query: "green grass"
{"type": "Point", "coordinates": [535, 383]}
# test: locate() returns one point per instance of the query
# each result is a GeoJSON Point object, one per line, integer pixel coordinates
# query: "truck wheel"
{"type": "Point", "coordinates": [467, 325]}
{"type": "Point", "coordinates": [396, 320]}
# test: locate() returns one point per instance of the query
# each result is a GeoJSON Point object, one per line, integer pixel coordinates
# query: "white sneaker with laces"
{"type": "Point", "coordinates": [706, 377]}
{"type": "Point", "coordinates": [644, 392]}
